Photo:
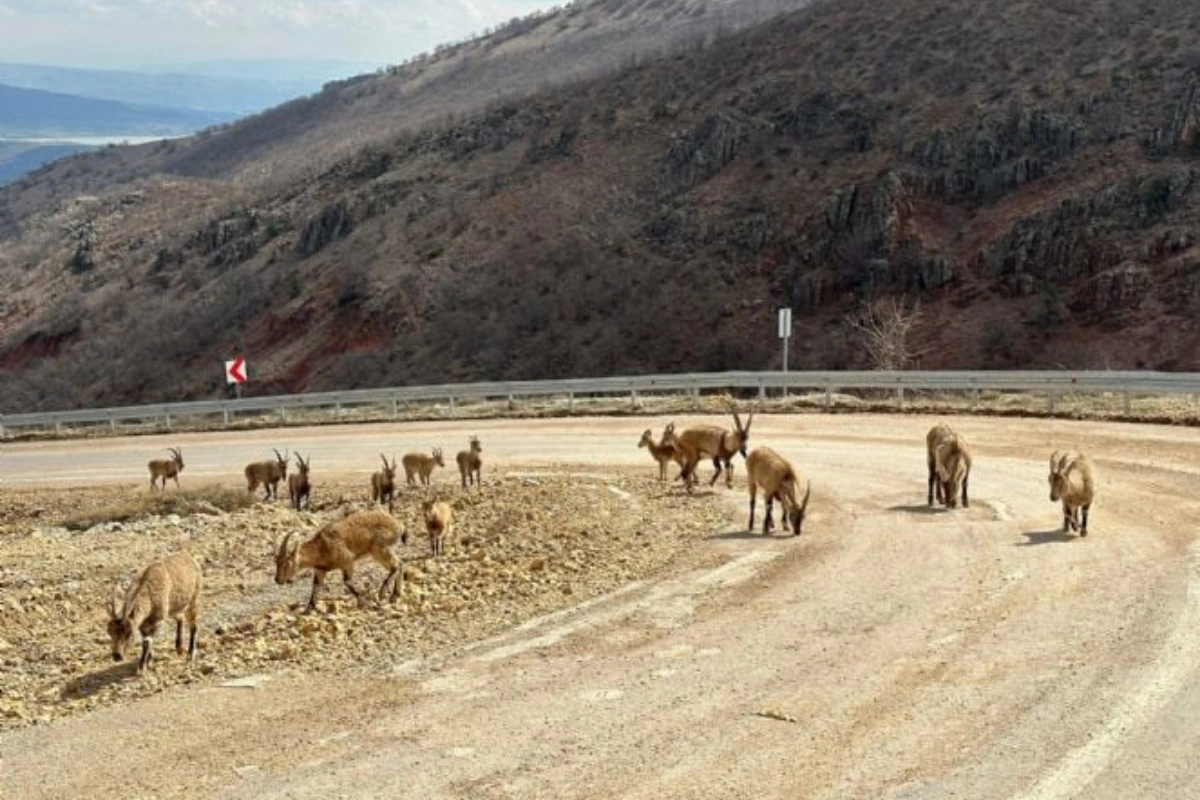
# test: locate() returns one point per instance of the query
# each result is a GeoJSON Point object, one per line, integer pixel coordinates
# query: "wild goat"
{"type": "Point", "coordinates": [298, 486]}
{"type": "Point", "coordinates": [166, 468]}
{"type": "Point", "coordinates": [267, 473]}
{"type": "Point", "coordinates": [1072, 481]}
{"type": "Point", "coordinates": [168, 588]}
{"type": "Point", "coordinates": [771, 472]}
{"type": "Point", "coordinates": [469, 462]}
{"type": "Point", "coordinates": [710, 441]}
{"type": "Point", "coordinates": [421, 465]}
{"type": "Point", "coordinates": [337, 545]}
{"type": "Point", "coordinates": [383, 483]}
{"type": "Point", "coordinates": [663, 451]}
{"type": "Point", "coordinates": [439, 522]}
{"type": "Point", "coordinates": [949, 462]}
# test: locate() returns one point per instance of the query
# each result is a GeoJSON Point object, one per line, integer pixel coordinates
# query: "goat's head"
{"type": "Point", "coordinates": [476, 447]}
{"type": "Point", "coordinates": [1058, 477]}
{"type": "Point", "coordinates": [796, 515]}
{"type": "Point", "coordinates": [389, 470]}
{"type": "Point", "coordinates": [302, 465]}
{"type": "Point", "coordinates": [177, 456]}
{"type": "Point", "coordinates": [647, 438]}
{"type": "Point", "coordinates": [437, 457]}
{"type": "Point", "coordinates": [282, 461]}
{"type": "Point", "coordinates": [287, 560]}
{"type": "Point", "coordinates": [669, 436]}
{"type": "Point", "coordinates": [120, 629]}
{"type": "Point", "coordinates": [741, 433]}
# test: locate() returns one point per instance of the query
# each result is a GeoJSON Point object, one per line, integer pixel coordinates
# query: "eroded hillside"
{"type": "Point", "coordinates": [1024, 170]}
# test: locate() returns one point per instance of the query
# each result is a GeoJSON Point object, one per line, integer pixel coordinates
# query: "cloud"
{"type": "Point", "coordinates": [108, 33]}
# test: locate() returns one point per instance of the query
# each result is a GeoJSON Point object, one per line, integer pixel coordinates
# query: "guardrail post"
{"type": "Point", "coordinates": [283, 413]}
{"type": "Point", "coordinates": [829, 397]}
{"type": "Point", "coordinates": [1128, 403]}
{"type": "Point", "coordinates": [900, 397]}
{"type": "Point", "coordinates": [1051, 397]}
{"type": "Point", "coordinates": [167, 419]}
{"type": "Point", "coordinates": [762, 390]}
{"type": "Point", "coordinates": [225, 414]}
{"type": "Point", "coordinates": [511, 403]}
{"type": "Point", "coordinates": [695, 398]}
{"type": "Point", "coordinates": [395, 407]}
{"type": "Point", "coordinates": [112, 424]}
{"type": "Point", "coordinates": [57, 426]}
{"type": "Point", "coordinates": [633, 398]}
{"type": "Point", "coordinates": [453, 412]}
{"type": "Point", "coordinates": [571, 402]}
{"type": "Point", "coordinates": [974, 399]}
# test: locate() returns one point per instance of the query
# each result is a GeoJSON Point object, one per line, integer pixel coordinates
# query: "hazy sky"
{"type": "Point", "coordinates": [118, 34]}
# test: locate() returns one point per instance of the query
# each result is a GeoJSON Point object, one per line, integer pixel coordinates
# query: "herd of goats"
{"type": "Point", "coordinates": [170, 588]}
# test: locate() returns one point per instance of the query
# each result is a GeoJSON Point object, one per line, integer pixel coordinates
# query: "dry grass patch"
{"type": "Point", "coordinates": [210, 500]}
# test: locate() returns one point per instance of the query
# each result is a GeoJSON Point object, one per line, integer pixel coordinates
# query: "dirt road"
{"type": "Point", "coordinates": [890, 652]}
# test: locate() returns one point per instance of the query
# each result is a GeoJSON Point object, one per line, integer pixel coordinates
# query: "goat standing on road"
{"type": "Point", "coordinates": [267, 473]}
{"type": "Point", "coordinates": [166, 468]}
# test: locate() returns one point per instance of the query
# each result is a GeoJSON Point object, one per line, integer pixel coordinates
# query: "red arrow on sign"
{"type": "Point", "coordinates": [235, 371]}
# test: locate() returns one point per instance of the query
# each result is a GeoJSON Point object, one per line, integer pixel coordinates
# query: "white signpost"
{"type": "Point", "coordinates": [785, 332]}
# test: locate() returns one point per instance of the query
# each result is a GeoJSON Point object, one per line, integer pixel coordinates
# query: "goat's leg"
{"type": "Point", "coordinates": [932, 476]}
{"type": "Point", "coordinates": [179, 636]}
{"type": "Point", "coordinates": [717, 464]}
{"type": "Point", "coordinates": [144, 659]}
{"type": "Point", "coordinates": [318, 579]}
{"type": "Point", "coordinates": [966, 503]}
{"type": "Point", "coordinates": [1083, 528]}
{"type": "Point", "coordinates": [769, 523]}
{"type": "Point", "coordinates": [348, 580]}
{"type": "Point", "coordinates": [753, 497]}
{"type": "Point", "coordinates": [729, 473]}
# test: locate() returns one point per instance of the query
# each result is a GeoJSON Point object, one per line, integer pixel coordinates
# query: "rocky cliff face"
{"type": "Point", "coordinates": [1024, 171]}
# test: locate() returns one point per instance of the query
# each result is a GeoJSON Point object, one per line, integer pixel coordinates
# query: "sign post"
{"type": "Point", "coordinates": [785, 332]}
{"type": "Point", "coordinates": [235, 373]}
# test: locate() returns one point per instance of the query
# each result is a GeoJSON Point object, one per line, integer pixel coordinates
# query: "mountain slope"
{"type": "Point", "coordinates": [1025, 170]}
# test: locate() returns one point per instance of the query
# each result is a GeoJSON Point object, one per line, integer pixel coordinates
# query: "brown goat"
{"type": "Point", "coordinates": [298, 486]}
{"type": "Point", "coordinates": [1073, 481]}
{"type": "Point", "coordinates": [383, 483]}
{"type": "Point", "coordinates": [267, 473]}
{"type": "Point", "coordinates": [771, 472]}
{"type": "Point", "coordinates": [949, 462]}
{"type": "Point", "coordinates": [420, 465]}
{"type": "Point", "coordinates": [710, 441]}
{"type": "Point", "coordinates": [337, 545]}
{"type": "Point", "coordinates": [469, 463]}
{"type": "Point", "coordinates": [167, 589]}
{"type": "Point", "coordinates": [166, 468]}
{"type": "Point", "coordinates": [439, 522]}
{"type": "Point", "coordinates": [663, 451]}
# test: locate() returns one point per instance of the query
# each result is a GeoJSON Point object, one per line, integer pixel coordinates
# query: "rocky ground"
{"type": "Point", "coordinates": [528, 542]}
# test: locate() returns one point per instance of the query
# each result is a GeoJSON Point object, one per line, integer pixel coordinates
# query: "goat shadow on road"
{"type": "Point", "coordinates": [87, 685]}
{"type": "Point", "coordinates": [920, 509]}
{"type": "Point", "coordinates": [756, 534]}
{"type": "Point", "coordinates": [1057, 535]}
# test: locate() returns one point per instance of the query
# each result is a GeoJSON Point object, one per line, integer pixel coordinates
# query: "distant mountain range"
{"type": "Point", "coordinates": [32, 113]}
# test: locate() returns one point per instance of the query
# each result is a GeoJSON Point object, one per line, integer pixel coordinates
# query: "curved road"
{"type": "Point", "coordinates": [896, 652]}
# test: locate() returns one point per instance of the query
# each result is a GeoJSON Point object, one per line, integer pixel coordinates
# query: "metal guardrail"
{"type": "Point", "coordinates": [1051, 384]}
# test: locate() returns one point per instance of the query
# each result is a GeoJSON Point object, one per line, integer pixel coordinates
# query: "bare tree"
{"type": "Point", "coordinates": [885, 328]}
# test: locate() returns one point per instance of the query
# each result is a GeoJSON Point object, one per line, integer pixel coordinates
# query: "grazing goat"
{"type": "Point", "coordinates": [298, 486]}
{"type": "Point", "coordinates": [469, 462]}
{"type": "Point", "coordinates": [383, 483]}
{"type": "Point", "coordinates": [710, 441]}
{"type": "Point", "coordinates": [949, 462]}
{"type": "Point", "coordinates": [168, 588]}
{"type": "Point", "coordinates": [771, 472]}
{"type": "Point", "coordinates": [439, 522]}
{"type": "Point", "coordinates": [337, 545]}
{"type": "Point", "coordinates": [421, 465]}
{"type": "Point", "coordinates": [663, 451]}
{"type": "Point", "coordinates": [1072, 481]}
{"type": "Point", "coordinates": [166, 468]}
{"type": "Point", "coordinates": [267, 473]}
